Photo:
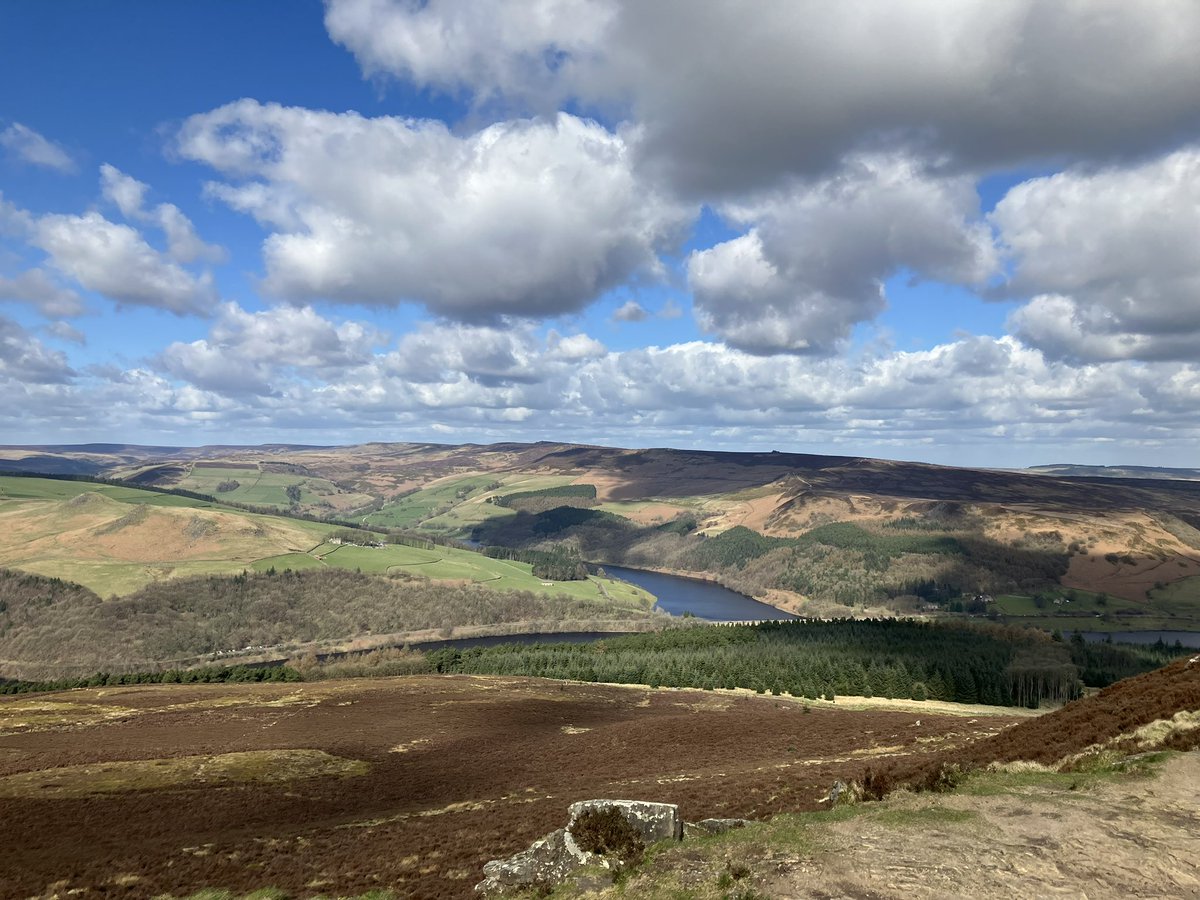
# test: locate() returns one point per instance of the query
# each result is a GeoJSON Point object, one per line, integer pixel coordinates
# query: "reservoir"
{"type": "Point", "coordinates": [705, 599]}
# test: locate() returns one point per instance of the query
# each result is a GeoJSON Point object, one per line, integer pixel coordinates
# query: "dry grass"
{"type": "Point", "coordinates": [261, 766]}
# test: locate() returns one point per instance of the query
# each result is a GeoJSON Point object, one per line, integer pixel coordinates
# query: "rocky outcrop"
{"type": "Point", "coordinates": [556, 857]}
{"type": "Point", "coordinates": [654, 821]}
{"type": "Point", "coordinates": [547, 862]}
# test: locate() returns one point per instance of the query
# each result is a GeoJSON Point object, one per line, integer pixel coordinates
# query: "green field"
{"type": "Point", "coordinates": [258, 488]}
{"type": "Point", "coordinates": [450, 564]}
{"type": "Point", "coordinates": [43, 510]}
{"type": "Point", "coordinates": [427, 502]}
{"type": "Point", "coordinates": [1178, 598]}
{"type": "Point", "coordinates": [1170, 608]}
{"type": "Point", "coordinates": [13, 488]}
{"type": "Point", "coordinates": [1074, 602]}
{"type": "Point", "coordinates": [456, 505]}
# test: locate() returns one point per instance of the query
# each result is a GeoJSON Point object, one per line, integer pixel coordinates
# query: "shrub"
{"type": "Point", "coordinates": [604, 830]}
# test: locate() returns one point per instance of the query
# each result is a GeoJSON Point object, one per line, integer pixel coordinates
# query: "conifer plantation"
{"type": "Point", "coordinates": [884, 658]}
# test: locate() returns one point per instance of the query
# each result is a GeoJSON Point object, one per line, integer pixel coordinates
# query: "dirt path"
{"type": "Point", "coordinates": [1130, 838]}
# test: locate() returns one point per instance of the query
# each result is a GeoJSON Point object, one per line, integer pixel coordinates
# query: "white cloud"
{"type": "Point", "coordinates": [631, 311]}
{"type": "Point", "coordinates": [14, 220]}
{"type": "Point", "coordinates": [125, 192]}
{"type": "Point", "coordinates": [115, 260]}
{"type": "Point", "coordinates": [129, 196]}
{"type": "Point", "coordinates": [497, 50]}
{"type": "Point", "coordinates": [814, 262]}
{"type": "Point", "coordinates": [64, 331]}
{"type": "Point", "coordinates": [528, 217]}
{"type": "Point", "coordinates": [25, 359]}
{"type": "Point", "coordinates": [26, 145]}
{"type": "Point", "coordinates": [574, 348]}
{"type": "Point", "coordinates": [800, 84]}
{"type": "Point", "coordinates": [37, 288]}
{"type": "Point", "coordinates": [247, 351]}
{"type": "Point", "coordinates": [1111, 255]}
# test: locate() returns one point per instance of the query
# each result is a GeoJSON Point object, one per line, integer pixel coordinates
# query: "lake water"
{"type": "Point", "coordinates": [704, 599]}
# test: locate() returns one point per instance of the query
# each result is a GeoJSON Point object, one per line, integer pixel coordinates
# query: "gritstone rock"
{"type": "Point", "coordinates": [555, 857]}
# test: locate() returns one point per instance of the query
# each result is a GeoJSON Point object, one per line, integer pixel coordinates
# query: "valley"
{"type": "Point", "coordinates": [813, 535]}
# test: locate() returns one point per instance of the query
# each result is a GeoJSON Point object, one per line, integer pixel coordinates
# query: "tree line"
{"type": "Point", "coordinates": [894, 658]}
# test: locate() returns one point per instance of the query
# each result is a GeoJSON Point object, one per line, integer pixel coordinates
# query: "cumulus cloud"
{"type": "Point", "coordinates": [14, 220]}
{"type": "Point", "coordinates": [38, 289]}
{"type": "Point", "coordinates": [115, 260]}
{"type": "Point", "coordinates": [246, 350]}
{"type": "Point", "coordinates": [525, 52]}
{"type": "Point", "coordinates": [801, 84]}
{"type": "Point", "coordinates": [129, 196]}
{"type": "Point", "coordinates": [574, 347]}
{"type": "Point", "coordinates": [526, 217]}
{"type": "Point", "coordinates": [64, 331]}
{"type": "Point", "coordinates": [631, 311]}
{"type": "Point", "coordinates": [23, 358]}
{"type": "Point", "coordinates": [1110, 256]}
{"type": "Point", "coordinates": [814, 262]}
{"type": "Point", "coordinates": [24, 144]}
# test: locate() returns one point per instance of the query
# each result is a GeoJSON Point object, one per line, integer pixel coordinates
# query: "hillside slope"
{"type": "Point", "coordinates": [1133, 540]}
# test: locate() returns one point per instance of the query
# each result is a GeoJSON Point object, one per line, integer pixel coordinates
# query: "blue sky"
{"type": "Point", "coordinates": [958, 234]}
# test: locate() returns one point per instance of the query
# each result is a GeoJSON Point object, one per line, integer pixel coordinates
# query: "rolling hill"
{"type": "Point", "coordinates": [1118, 552]}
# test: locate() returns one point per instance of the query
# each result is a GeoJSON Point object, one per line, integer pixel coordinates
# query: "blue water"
{"type": "Point", "coordinates": [704, 599]}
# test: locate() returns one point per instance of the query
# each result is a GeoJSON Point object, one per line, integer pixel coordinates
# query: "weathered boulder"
{"type": "Point", "coordinates": [548, 861]}
{"type": "Point", "coordinates": [705, 827]}
{"type": "Point", "coordinates": [654, 821]}
{"type": "Point", "coordinates": [556, 857]}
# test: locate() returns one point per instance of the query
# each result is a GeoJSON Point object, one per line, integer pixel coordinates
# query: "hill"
{"type": "Point", "coordinates": [814, 534]}
{"type": "Point", "coordinates": [1069, 470]}
{"type": "Point", "coordinates": [50, 629]}
{"type": "Point", "coordinates": [117, 540]}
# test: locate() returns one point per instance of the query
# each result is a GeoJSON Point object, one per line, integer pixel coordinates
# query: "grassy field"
{"type": "Point", "coordinates": [428, 502]}
{"type": "Point", "coordinates": [1180, 598]}
{"type": "Point", "coordinates": [13, 488]}
{"type": "Point", "coordinates": [449, 564]}
{"type": "Point", "coordinates": [1170, 608]}
{"type": "Point", "coordinates": [258, 488]}
{"type": "Point", "coordinates": [115, 540]}
{"type": "Point", "coordinates": [1073, 601]}
{"type": "Point", "coordinates": [456, 505]}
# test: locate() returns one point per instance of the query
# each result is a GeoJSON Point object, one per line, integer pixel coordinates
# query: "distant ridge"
{"type": "Point", "coordinates": [1070, 470]}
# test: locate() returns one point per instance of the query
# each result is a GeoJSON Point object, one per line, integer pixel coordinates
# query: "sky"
{"type": "Point", "coordinates": [965, 233]}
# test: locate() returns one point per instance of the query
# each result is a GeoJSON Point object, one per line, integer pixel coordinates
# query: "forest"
{"type": "Point", "coordinates": [52, 628]}
{"type": "Point", "coordinates": [886, 658]}
{"type": "Point", "coordinates": [893, 658]}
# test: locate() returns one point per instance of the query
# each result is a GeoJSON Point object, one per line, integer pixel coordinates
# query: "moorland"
{"type": "Point", "coordinates": [819, 535]}
{"type": "Point", "coordinates": [220, 649]}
